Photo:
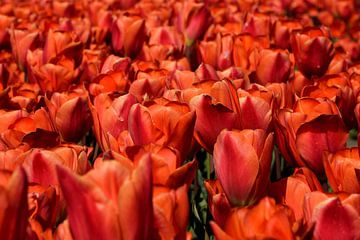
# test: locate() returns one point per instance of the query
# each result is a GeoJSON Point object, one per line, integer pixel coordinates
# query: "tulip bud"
{"type": "Point", "coordinates": [313, 51]}
{"type": "Point", "coordinates": [242, 164]}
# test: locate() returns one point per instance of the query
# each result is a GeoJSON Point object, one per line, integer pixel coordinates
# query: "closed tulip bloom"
{"type": "Point", "coordinates": [115, 200]}
{"type": "Point", "coordinates": [128, 36]}
{"type": "Point", "coordinates": [274, 66]}
{"type": "Point", "coordinates": [70, 114]}
{"type": "Point", "coordinates": [313, 51]}
{"type": "Point", "coordinates": [242, 164]}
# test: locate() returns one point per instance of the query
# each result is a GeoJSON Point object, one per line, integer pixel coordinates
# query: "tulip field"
{"type": "Point", "coordinates": [179, 119]}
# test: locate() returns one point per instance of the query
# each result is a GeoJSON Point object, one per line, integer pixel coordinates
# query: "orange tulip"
{"type": "Point", "coordinates": [242, 164]}
{"type": "Point", "coordinates": [121, 210]}
{"type": "Point", "coordinates": [292, 190]}
{"type": "Point", "coordinates": [343, 170]}
{"type": "Point", "coordinates": [337, 88]}
{"type": "Point", "coordinates": [266, 220]}
{"type": "Point", "coordinates": [171, 212]}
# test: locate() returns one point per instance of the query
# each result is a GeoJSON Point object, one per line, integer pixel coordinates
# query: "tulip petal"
{"type": "Point", "coordinates": [14, 207]}
{"type": "Point", "coordinates": [73, 119]}
{"type": "Point", "coordinates": [325, 133]}
{"type": "Point", "coordinates": [208, 128]}
{"type": "Point", "coordinates": [141, 126]}
{"type": "Point", "coordinates": [219, 233]}
{"type": "Point", "coordinates": [236, 166]}
{"type": "Point", "coordinates": [90, 214]}
{"type": "Point", "coordinates": [335, 220]}
{"type": "Point", "coordinates": [135, 202]}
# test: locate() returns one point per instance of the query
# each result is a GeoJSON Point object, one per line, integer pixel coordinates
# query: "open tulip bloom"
{"type": "Point", "coordinates": [179, 119]}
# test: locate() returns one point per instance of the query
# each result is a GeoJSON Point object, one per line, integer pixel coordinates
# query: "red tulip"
{"type": "Point", "coordinates": [334, 217]}
{"type": "Point", "coordinates": [313, 51]}
{"type": "Point", "coordinates": [59, 44]}
{"type": "Point", "coordinates": [218, 53]}
{"type": "Point", "coordinates": [51, 77]}
{"type": "Point", "coordinates": [242, 163]}
{"type": "Point", "coordinates": [21, 42]}
{"type": "Point", "coordinates": [70, 115]}
{"type": "Point", "coordinates": [274, 66]}
{"type": "Point", "coordinates": [256, 106]}
{"type": "Point", "coordinates": [128, 35]}
{"type": "Point", "coordinates": [282, 32]}
{"type": "Point", "coordinates": [337, 88]}
{"type": "Point", "coordinates": [257, 24]}
{"type": "Point", "coordinates": [110, 117]}
{"type": "Point", "coordinates": [311, 128]}
{"type": "Point", "coordinates": [14, 206]}
{"type": "Point", "coordinates": [191, 18]}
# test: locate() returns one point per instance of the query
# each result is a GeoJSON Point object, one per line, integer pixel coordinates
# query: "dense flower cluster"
{"type": "Point", "coordinates": [127, 119]}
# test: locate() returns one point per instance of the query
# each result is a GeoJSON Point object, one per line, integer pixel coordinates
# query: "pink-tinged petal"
{"type": "Point", "coordinates": [325, 133]}
{"type": "Point", "coordinates": [335, 220]}
{"type": "Point", "coordinates": [91, 215]}
{"type": "Point", "coordinates": [73, 119]}
{"type": "Point", "coordinates": [210, 120]}
{"type": "Point", "coordinates": [236, 166]}
{"type": "Point", "coordinates": [255, 113]}
{"type": "Point", "coordinates": [135, 202]}
{"type": "Point", "coordinates": [14, 207]}
{"type": "Point", "coordinates": [141, 126]}
{"type": "Point", "coordinates": [40, 167]}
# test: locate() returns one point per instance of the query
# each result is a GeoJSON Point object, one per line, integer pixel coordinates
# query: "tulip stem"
{"type": "Point", "coordinates": [277, 163]}
{"type": "Point", "coordinates": [96, 150]}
